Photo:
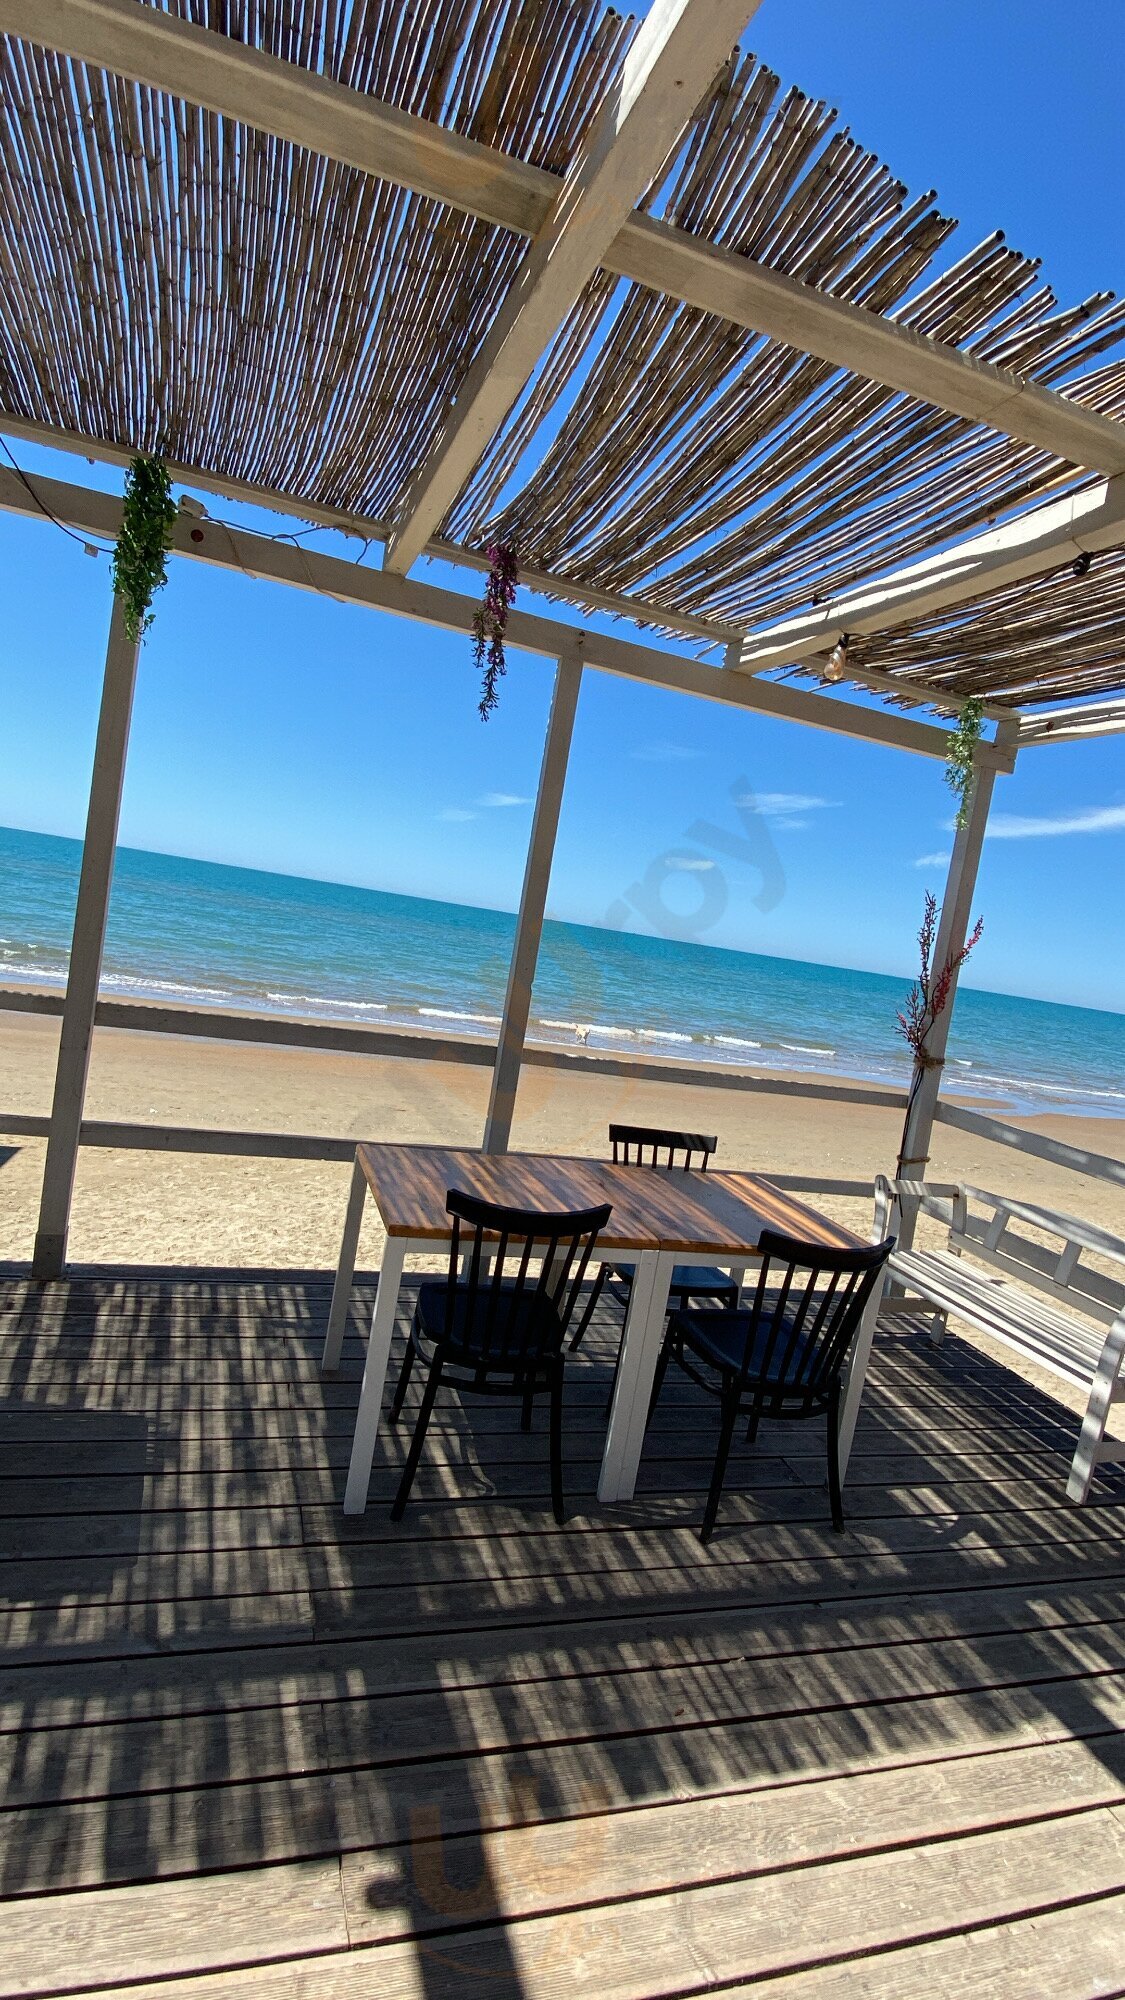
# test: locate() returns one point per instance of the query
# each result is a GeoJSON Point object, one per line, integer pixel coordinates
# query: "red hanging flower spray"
{"type": "Point", "coordinates": [927, 999]}
{"type": "Point", "coordinates": [490, 623]}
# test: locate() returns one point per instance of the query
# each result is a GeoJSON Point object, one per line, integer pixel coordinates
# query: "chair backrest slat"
{"type": "Point", "coordinates": [515, 1319]}
{"type": "Point", "coordinates": [642, 1145]}
{"type": "Point", "coordinates": [807, 1305]}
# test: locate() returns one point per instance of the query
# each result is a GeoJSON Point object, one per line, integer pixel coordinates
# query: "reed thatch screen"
{"type": "Point", "coordinates": [279, 320]}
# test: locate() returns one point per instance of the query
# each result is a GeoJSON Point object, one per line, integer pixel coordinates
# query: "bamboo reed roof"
{"type": "Point", "coordinates": [174, 279]}
{"type": "Point", "coordinates": [1053, 637]}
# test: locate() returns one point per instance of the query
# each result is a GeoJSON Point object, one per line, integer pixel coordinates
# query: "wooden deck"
{"type": "Point", "coordinates": [251, 1751]}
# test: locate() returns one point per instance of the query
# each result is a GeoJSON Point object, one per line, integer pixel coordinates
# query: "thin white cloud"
{"type": "Point", "coordinates": [457, 814]}
{"type": "Point", "coordinates": [503, 799]}
{"type": "Point", "coordinates": [781, 805]}
{"type": "Point", "coordinates": [1088, 819]}
{"type": "Point", "coordinates": [665, 753]}
{"type": "Point", "coordinates": [1045, 826]}
{"type": "Point", "coordinates": [690, 864]}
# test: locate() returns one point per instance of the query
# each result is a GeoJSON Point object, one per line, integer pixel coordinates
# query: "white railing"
{"type": "Point", "coordinates": [269, 1029]}
{"type": "Point", "coordinates": [1099, 1166]}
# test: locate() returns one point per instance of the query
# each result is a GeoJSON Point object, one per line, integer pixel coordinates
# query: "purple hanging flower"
{"type": "Point", "coordinates": [490, 623]}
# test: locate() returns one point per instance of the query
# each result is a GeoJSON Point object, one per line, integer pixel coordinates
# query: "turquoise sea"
{"type": "Point", "coordinates": [210, 936]}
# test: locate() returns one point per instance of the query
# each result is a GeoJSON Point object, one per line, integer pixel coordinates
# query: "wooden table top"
{"type": "Point", "coordinates": [714, 1214]}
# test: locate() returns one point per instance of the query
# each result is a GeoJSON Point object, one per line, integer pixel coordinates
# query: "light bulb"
{"type": "Point", "coordinates": [835, 665]}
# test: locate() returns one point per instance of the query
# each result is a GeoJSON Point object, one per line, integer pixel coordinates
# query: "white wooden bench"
{"type": "Point", "coordinates": [1040, 1300]}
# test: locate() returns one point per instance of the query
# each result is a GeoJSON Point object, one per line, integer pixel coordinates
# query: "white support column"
{"type": "Point", "coordinates": [533, 902]}
{"type": "Point", "coordinates": [86, 947]}
{"type": "Point", "coordinates": [953, 928]}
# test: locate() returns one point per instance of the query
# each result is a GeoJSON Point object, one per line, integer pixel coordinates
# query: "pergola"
{"type": "Point", "coordinates": [454, 274]}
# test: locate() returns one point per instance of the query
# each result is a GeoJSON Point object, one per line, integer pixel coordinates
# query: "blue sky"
{"type": "Point", "coordinates": [278, 730]}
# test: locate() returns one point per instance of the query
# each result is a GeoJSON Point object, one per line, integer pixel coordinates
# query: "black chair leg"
{"type": "Point", "coordinates": [726, 1436]}
{"type": "Point", "coordinates": [419, 1438]}
{"type": "Point", "coordinates": [835, 1488]}
{"type": "Point", "coordinates": [404, 1378]}
{"type": "Point", "coordinates": [588, 1313]}
{"type": "Point", "coordinates": [556, 1450]}
{"type": "Point", "coordinates": [525, 1414]}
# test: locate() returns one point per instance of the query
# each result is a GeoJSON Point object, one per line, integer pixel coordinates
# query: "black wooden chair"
{"type": "Point", "coordinates": [496, 1334]}
{"type": "Point", "coordinates": [651, 1146]}
{"type": "Point", "coordinates": [783, 1356]}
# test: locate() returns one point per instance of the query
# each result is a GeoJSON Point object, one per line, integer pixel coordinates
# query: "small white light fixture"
{"type": "Point", "coordinates": [836, 664]}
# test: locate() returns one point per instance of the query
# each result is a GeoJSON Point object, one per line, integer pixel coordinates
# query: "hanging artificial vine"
{"type": "Point", "coordinates": [927, 999]}
{"type": "Point", "coordinates": [962, 749]}
{"type": "Point", "coordinates": [147, 521]}
{"type": "Point", "coordinates": [490, 623]}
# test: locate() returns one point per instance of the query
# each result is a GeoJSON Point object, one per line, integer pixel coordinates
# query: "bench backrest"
{"type": "Point", "coordinates": [984, 1225]}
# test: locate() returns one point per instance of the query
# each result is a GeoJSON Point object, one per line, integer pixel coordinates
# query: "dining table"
{"type": "Point", "coordinates": [659, 1216]}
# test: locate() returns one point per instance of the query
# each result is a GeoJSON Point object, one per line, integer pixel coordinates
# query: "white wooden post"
{"type": "Point", "coordinates": [953, 927]}
{"type": "Point", "coordinates": [533, 901]}
{"type": "Point", "coordinates": [86, 947]}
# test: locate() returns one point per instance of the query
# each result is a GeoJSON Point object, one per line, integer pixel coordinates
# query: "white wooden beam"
{"type": "Point", "coordinates": [1081, 524]}
{"type": "Point", "coordinates": [291, 103]}
{"type": "Point", "coordinates": [207, 541]}
{"type": "Point", "coordinates": [880, 350]}
{"type": "Point", "coordinates": [908, 694]}
{"type": "Point", "coordinates": [914, 693]}
{"type": "Point", "coordinates": [873, 725]}
{"type": "Point", "coordinates": [679, 50]}
{"type": "Point", "coordinates": [86, 949]}
{"type": "Point", "coordinates": [288, 101]}
{"type": "Point", "coordinates": [533, 903]}
{"type": "Point", "coordinates": [1073, 725]}
{"type": "Point", "coordinates": [619, 604]}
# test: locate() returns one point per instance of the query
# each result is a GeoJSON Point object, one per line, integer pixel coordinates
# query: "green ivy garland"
{"type": "Point", "coordinates": [959, 768]}
{"type": "Point", "coordinates": [146, 536]}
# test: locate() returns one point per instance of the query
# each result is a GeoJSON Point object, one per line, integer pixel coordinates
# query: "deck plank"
{"type": "Point", "coordinates": [121, 1935]}
{"type": "Point", "coordinates": [661, 1704]}
{"type": "Point", "coordinates": [718, 1937]}
{"type": "Point", "coordinates": [476, 1748]}
{"type": "Point", "coordinates": [528, 1871]}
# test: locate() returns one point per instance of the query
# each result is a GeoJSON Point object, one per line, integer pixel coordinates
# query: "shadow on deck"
{"type": "Point", "coordinates": [479, 1754]}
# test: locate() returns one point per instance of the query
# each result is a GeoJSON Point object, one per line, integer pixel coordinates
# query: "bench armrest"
{"type": "Point", "coordinates": [943, 1199]}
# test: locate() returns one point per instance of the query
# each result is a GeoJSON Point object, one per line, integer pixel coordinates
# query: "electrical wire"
{"type": "Point", "coordinates": [84, 542]}
{"type": "Point", "coordinates": [295, 536]}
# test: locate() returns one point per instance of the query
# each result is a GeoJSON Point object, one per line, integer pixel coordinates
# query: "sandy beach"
{"type": "Point", "coordinates": [169, 1208]}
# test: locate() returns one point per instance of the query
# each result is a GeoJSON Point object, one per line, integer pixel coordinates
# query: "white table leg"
{"type": "Point", "coordinates": [640, 1348]}
{"type": "Point", "coordinates": [857, 1375]}
{"type": "Point", "coordinates": [345, 1272]}
{"type": "Point", "coordinates": [374, 1376]}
